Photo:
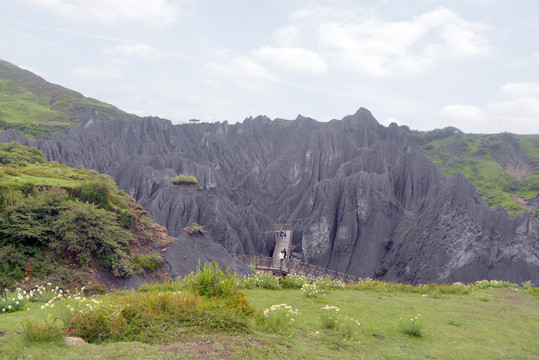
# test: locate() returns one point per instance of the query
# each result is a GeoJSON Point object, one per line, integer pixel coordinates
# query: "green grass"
{"type": "Point", "coordinates": [473, 156]}
{"type": "Point", "coordinates": [454, 324]}
{"type": "Point", "coordinates": [35, 107]}
{"type": "Point", "coordinates": [184, 179]}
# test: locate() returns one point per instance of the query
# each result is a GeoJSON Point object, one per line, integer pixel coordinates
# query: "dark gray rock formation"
{"type": "Point", "coordinates": [361, 198]}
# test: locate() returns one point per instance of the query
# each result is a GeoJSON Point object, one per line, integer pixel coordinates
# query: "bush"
{"type": "Point", "coordinates": [194, 228]}
{"type": "Point", "coordinates": [96, 190]}
{"type": "Point", "coordinates": [127, 219]}
{"type": "Point", "coordinates": [85, 231]}
{"type": "Point", "coordinates": [16, 154]}
{"type": "Point", "coordinates": [122, 267]}
{"type": "Point", "coordinates": [148, 262]}
{"type": "Point", "coordinates": [28, 221]}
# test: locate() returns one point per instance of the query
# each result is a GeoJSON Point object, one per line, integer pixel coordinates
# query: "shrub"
{"type": "Point", "coordinates": [28, 221]}
{"type": "Point", "coordinates": [194, 228]}
{"type": "Point", "coordinates": [19, 155]}
{"type": "Point", "coordinates": [122, 267]}
{"type": "Point", "coordinates": [96, 190]}
{"type": "Point", "coordinates": [85, 231]}
{"type": "Point", "coordinates": [127, 218]}
{"type": "Point", "coordinates": [148, 262]}
{"type": "Point", "coordinates": [184, 179]}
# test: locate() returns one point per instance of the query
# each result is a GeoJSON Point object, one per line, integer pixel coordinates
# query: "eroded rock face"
{"type": "Point", "coordinates": [361, 198]}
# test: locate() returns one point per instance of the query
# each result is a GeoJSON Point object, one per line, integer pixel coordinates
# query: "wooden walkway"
{"type": "Point", "coordinates": [288, 265]}
{"type": "Point", "coordinates": [282, 242]}
{"type": "Point", "coordinates": [295, 267]}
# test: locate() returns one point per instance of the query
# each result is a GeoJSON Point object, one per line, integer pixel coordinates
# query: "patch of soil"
{"type": "Point", "coordinates": [519, 298]}
{"type": "Point", "coordinates": [203, 349]}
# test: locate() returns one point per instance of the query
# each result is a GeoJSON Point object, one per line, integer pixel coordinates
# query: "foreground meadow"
{"type": "Point", "coordinates": [212, 315]}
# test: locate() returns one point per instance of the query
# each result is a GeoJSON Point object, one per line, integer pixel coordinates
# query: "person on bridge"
{"type": "Point", "coordinates": [284, 253]}
{"type": "Point", "coordinates": [284, 234]}
{"type": "Point", "coordinates": [281, 256]}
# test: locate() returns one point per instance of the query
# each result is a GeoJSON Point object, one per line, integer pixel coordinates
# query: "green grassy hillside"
{"type": "Point", "coordinates": [503, 167]}
{"type": "Point", "coordinates": [35, 107]}
{"type": "Point", "coordinates": [210, 315]}
{"type": "Point", "coordinates": [64, 225]}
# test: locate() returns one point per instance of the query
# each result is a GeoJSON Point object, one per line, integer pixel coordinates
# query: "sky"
{"type": "Point", "coordinates": [427, 64]}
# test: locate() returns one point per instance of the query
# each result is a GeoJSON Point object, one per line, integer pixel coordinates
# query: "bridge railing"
{"type": "Point", "coordinates": [293, 266]}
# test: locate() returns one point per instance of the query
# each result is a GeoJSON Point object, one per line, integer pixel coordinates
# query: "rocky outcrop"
{"type": "Point", "coordinates": [361, 198]}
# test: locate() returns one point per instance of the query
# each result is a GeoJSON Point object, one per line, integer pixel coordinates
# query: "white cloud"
{"type": "Point", "coordinates": [287, 36]}
{"type": "Point", "coordinates": [517, 107]}
{"type": "Point", "coordinates": [522, 90]}
{"type": "Point", "coordinates": [377, 48]}
{"type": "Point", "coordinates": [516, 63]}
{"type": "Point", "coordinates": [155, 13]}
{"type": "Point", "coordinates": [141, 51]}
{"type": "Point", "coordinates": [239, 69]}
{"type": "Point", "coordinates": [289, 58]}
{"type": "Point", "coordinates": [112, 70]}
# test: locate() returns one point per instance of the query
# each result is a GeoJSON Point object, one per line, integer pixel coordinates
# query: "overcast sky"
{"type": "Point", "coordinates": [472, 64]}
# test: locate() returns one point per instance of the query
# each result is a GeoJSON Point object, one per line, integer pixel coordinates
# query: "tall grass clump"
{"type": "Point", "coordinates": [329, 284]}
{"type": "Point", "coordinates": [329, 316]}
{"type": "Point", "coordinates": [46, 330]}
{"type": "Point", "coordinates": [157, 316]}
{"type": "Point", "coordinates": [266, 280]}
{"type": "Point", "coordinates": [412, 327]}
{"type": "Point", "coordinates": [211, 281]}
{"type": "Point", "coordinates": [12, 301]}
{"type": "Point", "coordinates": [277, 318]}
{"type": "Point", "coordinates": [293, 281]}
{"type": "Point", "coordinates": [312, 290]}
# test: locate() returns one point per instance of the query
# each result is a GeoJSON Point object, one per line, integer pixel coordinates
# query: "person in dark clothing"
{"type": "Point", "coordinates": [284, 253]}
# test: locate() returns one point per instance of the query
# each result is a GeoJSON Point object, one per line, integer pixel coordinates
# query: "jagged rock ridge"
{"type": "Point", "coordinates": [361, 198]}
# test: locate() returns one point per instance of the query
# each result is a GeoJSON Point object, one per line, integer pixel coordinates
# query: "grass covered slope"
{"type": "Point", "coordinates": [35, 107]}
{"type": "Point", "coordinates": [503, 167]}
{"type": "Point", "coordinates": [65, 225]}
{"type": "Point", "coordinates": [213, 315]}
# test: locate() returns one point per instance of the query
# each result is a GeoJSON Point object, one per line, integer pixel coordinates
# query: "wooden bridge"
{"type": "Point", "coordinates": [295, 267]}
{"type": "Point", "coordinates": [288, 265]}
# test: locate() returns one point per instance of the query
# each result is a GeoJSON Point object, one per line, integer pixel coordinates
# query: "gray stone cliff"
{"type": "Point", "coordinates": [361, 197]}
